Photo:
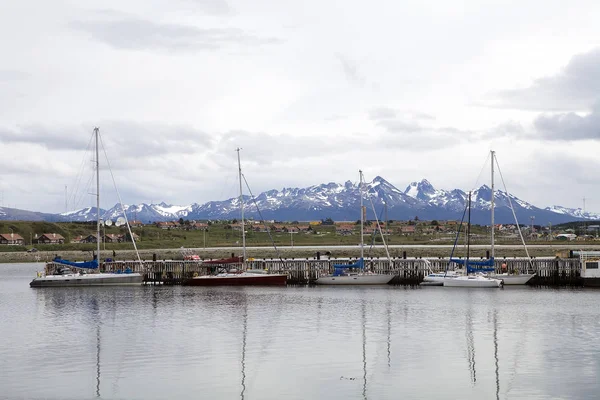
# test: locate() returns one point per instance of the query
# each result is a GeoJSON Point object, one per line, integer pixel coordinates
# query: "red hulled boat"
{"type": "Point", "coordinates": [238, 279]}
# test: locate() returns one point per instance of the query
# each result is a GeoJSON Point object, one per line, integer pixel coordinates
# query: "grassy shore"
{"type": "Point", "coordinates": [167, 244]}
{"type": "Point", "coordinates": [561, 250]}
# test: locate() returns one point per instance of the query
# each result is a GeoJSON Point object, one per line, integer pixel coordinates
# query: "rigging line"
{"type": "Point", "coordinates": [88, 188]}
{"type": "Point", "coordinates": [379, 228]}
{"type": "Point", "coordinates": [261, 218]}
{"type": "Point", "coordinates": [373, 236]}
{"type": "Point", "coordinates": [79, 176]}
{"type": "Point", "coordinates": [481, 172]}
{"type": "Point", "coordinates": [514, 215]}
{"type": "Point", "coordinates": [457, 237]}
{"type": "Point", "coordinates": [121, 204]}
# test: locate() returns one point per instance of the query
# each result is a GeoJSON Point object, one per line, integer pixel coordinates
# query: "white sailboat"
{"type": "Point", "coordinates": [507, 278]}
{"type": "Point", "coordinates": [62, 273]}
{"type": "Point", "coordinates": [478, 280]}
{"type": "Point", "coordinates": [355, 274]}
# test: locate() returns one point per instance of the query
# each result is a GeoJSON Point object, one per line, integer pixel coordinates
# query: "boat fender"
{"type": "Point", "coordinates": [195, 274]}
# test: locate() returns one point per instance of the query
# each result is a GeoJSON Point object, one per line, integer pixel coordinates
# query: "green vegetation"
{"type": "Point", "coordinates": [227, 234]}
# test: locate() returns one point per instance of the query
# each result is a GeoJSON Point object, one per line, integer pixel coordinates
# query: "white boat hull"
{"type": "Point", "coordinates": [440, 277]}
{"type": "Point", "coordinates": [508, 279]}
{"type": "Point", "coordinates": [473, 281]}
{"type": "Point", "coordinates": [374, 279]}
{"type": "Point", "coordinates": [101, 279]}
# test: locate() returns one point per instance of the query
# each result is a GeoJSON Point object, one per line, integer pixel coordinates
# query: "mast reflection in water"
{"type": "Point", "coordinates": [295, 342]}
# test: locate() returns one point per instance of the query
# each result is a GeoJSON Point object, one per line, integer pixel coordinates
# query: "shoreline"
{"type": "Point", "coordinates": [303, 252]}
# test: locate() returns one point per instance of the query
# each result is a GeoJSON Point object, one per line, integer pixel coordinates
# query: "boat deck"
{"type": "Point", "coordinates": [549, 271]}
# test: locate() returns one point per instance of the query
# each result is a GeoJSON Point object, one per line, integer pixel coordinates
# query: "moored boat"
{"type": "Point", "coordinates": [512, 279]}
{"type": "Point", "coordinates": [247, 278]}
{"type": "Point", "coordinates": [65, 277]}
{"type": "Point", "coordinates": [355, 274]}
{"type": "Point", "coordinates": [232, 271]}
{"type": "Point", "coordinates": [478, 281]}
{"type": "Point", "coordinates": [62, 273]}
{"type": "Point", "coordinates": [355, 279]}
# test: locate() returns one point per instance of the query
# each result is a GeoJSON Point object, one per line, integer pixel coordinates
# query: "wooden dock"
{"type": "Point", "coordinates": [550, 271]}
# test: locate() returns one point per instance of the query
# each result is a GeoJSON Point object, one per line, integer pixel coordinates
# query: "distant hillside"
{"type": "Point", "coordinates": [339, 202]}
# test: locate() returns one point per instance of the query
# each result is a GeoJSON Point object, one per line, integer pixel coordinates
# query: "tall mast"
{"type": "Point", "coordinates": [97, 198]}
{"type": "Point", "coordinates": [242, 208]}
{"type": "Point", "coordinates": [362, 210]}
{"type": "Point", "coordinates": [468, 234]}
{"type": "Point", "coordinates": [493, 157]}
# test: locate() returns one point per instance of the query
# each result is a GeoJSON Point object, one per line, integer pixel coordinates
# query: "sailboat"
{"type": "Point", "coordinates": [226, 269]}
{"type": "Point", "coordinates": [354, 273]}
{"type": "Point", "coordinates": [507, 278]}
{"type": "Point", "coordinates": [438, 278]}
{"type": "Point", "coordinates": [61, 273]}
{"type": "Point", "coordinates": [471, 279]}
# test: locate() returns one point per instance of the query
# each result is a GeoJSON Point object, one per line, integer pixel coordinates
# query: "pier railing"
{"type": "Point", "coordinates": [551, 271]}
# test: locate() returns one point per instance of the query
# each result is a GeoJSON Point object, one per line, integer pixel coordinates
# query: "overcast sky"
{"type": "Point", "coordinates": [311, 91]}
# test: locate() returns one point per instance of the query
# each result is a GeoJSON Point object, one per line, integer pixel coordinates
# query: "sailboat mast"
{"type": "Point", "coordinates": [97, 198]}
{"type": "Point", "coordinates": [242, 208]}
{"type": "Point", "coordinates": [493, 155]}
{"type": "Point", "coordinates": [362, 210]}
{"type": "Point", "coordinates": [468, 234]}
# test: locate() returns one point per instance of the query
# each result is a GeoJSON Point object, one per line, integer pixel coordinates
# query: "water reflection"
{"type": "Point", "coordinates": [121, 340]}
{"type": "Point", "coordinates": [244, 336]}
{"type": "Point", "coordinates": [98, 361]}
{"type": "Point", "coordinates": [364, 348]}
{"type": "Point", "coordinates": [496, 354]}
{"type": "Point", "coordinates": [470, 346]}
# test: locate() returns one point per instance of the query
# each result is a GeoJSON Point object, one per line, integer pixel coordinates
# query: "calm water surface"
{"type": "Point", "coordinates": [296, 342]}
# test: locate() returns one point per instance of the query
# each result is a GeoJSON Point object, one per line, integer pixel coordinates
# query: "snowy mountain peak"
{"type": "Point", "coordinates": [341, 201]}
{"type": "Point", "coordinates": [422, 190]}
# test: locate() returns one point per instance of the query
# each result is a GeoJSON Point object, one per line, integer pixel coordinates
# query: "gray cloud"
{"type": "Point", "coordinates": [8, 75]}
{"type": "Point", "coordinates": [146, 139]}
{"type": "Point", "coordinates": [56, 138]}
{"type": "Point", "coordinates": [274, 148]}
{"type": "Point", "coordinates": [136, 33]}
{"type": "Point", "coordinates": [411, 130]}
{"type": "Point", "coordinates": [387, 113]}
{"type": "Point", "coordinates": [507, 129]}
{"type": "Point", "coordinates": [211, 7]}
{"type": "Point", "coordinates": [382, 113]}
{"type": "Point", "coordinates": [576, 87]}
{"type": "Point", "coordinates": [569, 126]}
{"type": "Point", "coordinates": [351, 71]}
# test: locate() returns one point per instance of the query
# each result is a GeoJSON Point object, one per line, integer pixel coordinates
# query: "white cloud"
{"type": "Point", "coordinates": [312, 92]}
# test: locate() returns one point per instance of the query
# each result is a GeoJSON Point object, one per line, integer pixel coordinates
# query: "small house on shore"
{"type": "Point", "coordinates": [49, 238]}
{"type": "Point", "coordinates": [11, 239]}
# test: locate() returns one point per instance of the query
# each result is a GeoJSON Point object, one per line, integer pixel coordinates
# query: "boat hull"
{"type": "Point", "coordinates": [374, 279]}
{"type": "Point", "coordinates": [238, 280]}
{"type": "Point", "coordinates": [473, 282]}
{"type": "Point", "coordinates": [77, 280]}
{"type": "Point", "coordinates": [440, 277]}
{"type": "Point", "coordinates": [520, 279]}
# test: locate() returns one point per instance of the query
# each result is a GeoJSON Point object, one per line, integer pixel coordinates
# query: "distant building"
{"type": "Point", "coordinates": [49, 238]}
{"type": "Point", "coordinates": [112, 238]}
{"type": "Point", "coordinates": [11, 239]}
{"type": "Point", "coordinates": [566, 236]}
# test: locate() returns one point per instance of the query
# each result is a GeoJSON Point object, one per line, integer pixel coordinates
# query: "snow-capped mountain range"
{"type": "Point", "coordinates": [341, 202]}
